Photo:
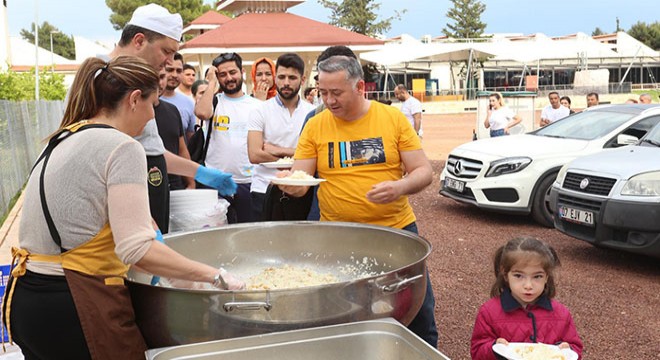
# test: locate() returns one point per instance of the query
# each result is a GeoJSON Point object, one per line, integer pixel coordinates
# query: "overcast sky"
{"type": "Point", "coordinates": [89, 18]}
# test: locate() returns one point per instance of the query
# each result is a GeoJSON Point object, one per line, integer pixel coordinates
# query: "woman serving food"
{"type": "Point", "coordinates": [86, 219]}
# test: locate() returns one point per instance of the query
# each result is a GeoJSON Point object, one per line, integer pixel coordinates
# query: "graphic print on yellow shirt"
{"type": "Point", "coordinates": [221, 122]}
{"type": "Point", "coordinates": [353, 156]}
{"type": "Point", "coordinates": [358, 152]}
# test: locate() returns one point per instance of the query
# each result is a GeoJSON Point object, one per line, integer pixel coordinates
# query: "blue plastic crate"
{"type": "Point", "coordinates": [4, 278]}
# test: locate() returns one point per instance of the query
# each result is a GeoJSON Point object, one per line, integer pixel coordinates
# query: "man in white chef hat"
{"type": "Point", "coordinates": [153, 34]}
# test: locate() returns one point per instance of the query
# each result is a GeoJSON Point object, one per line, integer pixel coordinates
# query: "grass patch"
{"type": "Point", "coordinates": [12, 202]}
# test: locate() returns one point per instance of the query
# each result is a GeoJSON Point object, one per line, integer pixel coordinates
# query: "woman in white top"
{"type": "Point", "coordinates": [500, 118]}
{"type": "Point", "coordinates": [86, 220]}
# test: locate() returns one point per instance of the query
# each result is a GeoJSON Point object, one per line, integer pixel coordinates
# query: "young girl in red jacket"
{"type": "Point", "coordinates": [521, 308]}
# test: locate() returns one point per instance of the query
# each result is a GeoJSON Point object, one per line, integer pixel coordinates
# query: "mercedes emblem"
{"type": "Point", "coordinates": [584, 183]}
{"type": "Point", "coordinates": [458, 168]}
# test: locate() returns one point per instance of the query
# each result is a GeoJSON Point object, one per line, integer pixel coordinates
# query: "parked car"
{"type": "Point", "coordinates": [515, 173]}
{"type": "Point", "coordinates": [612, 199]}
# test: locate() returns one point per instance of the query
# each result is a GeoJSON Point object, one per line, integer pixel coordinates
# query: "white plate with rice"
{"type": "Point", "coordinates": [532, 351]}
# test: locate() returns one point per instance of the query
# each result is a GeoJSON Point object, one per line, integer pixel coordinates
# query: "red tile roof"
{"type": "Point", "coordinates": [277, 30]}
{"type": "Point", "coordinates": [211, 18]}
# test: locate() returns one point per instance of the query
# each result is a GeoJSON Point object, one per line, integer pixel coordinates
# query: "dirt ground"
{"type": "Point", "coordinates": [614, 297]}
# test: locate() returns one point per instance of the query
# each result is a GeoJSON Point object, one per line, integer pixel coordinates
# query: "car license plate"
{"type": "Point", "coordinates": [455, 185]}
{"type": "Point", "coordinates": [575, 215]}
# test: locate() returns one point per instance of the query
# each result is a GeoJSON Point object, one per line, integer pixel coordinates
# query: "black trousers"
{"type": "Point", "coordinates": [44, 321]}
{"type": "Point", "coordinates": [159, 191]}
{"type": "Point", "coordinates": [257, 205]}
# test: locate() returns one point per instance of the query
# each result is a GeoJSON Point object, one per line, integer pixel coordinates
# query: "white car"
{"type": "Point", "coordinates": [612, 199]}
{"type": "Point", "coordinates": [515, 173]}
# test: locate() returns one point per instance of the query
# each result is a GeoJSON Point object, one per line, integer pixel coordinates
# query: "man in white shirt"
{"type": "Point", "coordinates": [410, 107]}
{"type": "Point", "coordinates": [554, 111]}
{"type": "Point", "coordinates": [229, 110]}
{"type": "Point", "coordinates": [275, 125]}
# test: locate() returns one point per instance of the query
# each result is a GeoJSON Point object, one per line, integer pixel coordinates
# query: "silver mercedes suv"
{"type": "Point", "coordinates": [612, 198]}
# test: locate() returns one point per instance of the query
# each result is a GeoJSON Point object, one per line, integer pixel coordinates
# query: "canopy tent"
{"type": "Point", "coordinates": [404, 53]}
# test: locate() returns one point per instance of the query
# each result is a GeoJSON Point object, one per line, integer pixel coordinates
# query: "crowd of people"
{"type": "Point", "coordinates": [560, 107]}
{"type": "Point", "coordinates": [128, 121]}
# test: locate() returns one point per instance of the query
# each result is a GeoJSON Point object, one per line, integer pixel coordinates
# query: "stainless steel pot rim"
{"type": "Point", "coordinates": [307, 289]}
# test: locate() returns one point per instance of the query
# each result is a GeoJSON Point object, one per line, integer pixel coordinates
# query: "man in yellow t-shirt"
{"type": "Point", "coordinates": [362, 148]}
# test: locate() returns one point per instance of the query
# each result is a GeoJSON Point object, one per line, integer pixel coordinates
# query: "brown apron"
{"type": "Point", "coordinates": [95, 276]}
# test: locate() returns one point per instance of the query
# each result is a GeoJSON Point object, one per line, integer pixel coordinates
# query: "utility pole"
{"type": "Point", "coordinates": [36, 51]}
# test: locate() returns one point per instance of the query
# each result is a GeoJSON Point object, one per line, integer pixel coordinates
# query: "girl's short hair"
{"type": "Point", "coordinates": [519, 249]}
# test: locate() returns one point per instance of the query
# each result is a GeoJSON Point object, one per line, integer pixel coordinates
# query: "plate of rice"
{"type": "Point", "coordinates": [532, 351]}
{"type": "Point", "coordinates": [297, 178]}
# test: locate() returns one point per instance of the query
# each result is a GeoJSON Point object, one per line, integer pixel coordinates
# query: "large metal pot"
{"type": "Point", "coordinates": [394, 287]}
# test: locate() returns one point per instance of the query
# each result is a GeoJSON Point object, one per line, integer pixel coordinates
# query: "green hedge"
{"type": "Point", "coordinates": [20, 86]}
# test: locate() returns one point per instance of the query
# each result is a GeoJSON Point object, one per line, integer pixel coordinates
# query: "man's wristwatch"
{"type": "Point", "coordinates": [218, 281]}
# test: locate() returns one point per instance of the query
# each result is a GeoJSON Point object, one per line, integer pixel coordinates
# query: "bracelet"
{"type": "Point", "coordinates": [218, 281]}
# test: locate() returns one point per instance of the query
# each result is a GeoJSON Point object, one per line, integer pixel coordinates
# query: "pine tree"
{"type": "Point", "coordinates": [649, 34]}
{"type": "Point", "coordinates": [122, 10]}
{"type": "Point", "coordinates": [466, 17]}
{"type": "Point", "coordinates": [63, 44]}
{"type": "Point", "coordinates": [359, 16]}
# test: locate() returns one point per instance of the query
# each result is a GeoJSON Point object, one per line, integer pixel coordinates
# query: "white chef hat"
{"type": "Point", "coordinates": [156, 18]}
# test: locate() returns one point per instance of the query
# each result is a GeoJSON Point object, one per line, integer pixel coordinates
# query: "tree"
{"type": "Point", "coordinates": [359, 16]}
{"type": "Point", "coordinates": [597, 31]}
{"type": "Point", "coordinates": [467, 24]}
{"type": "Point", "coordinates": [63, 44]}
{"type": "Point", "coordinates": [648, 34]}
{"type": "Point", "coordinates": [122, 10]}
{"type": "Point", "coordinates": [466, 17]}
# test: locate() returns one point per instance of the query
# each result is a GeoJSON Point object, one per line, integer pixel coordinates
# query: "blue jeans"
{"type": "Point", "coordinates": [495, 133]}
{"type": "Point", "coordinates": [423, 325]}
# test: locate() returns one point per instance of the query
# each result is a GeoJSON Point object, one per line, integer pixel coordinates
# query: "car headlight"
{"type": "Point", "coordinates": [647, 184]}
{"type": "Point", "coordinates": [561, 175]}
{"type": "Point", "coordinates": [508, 166]}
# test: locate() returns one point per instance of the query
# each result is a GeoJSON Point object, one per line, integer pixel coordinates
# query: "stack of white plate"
{"type": "Point", "coordinates": [196, 209]}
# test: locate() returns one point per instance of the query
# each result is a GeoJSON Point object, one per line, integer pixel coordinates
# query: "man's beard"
{"type": "Point", "coordinates": [239, 86]}
{"type": "Point", "coordinates": [293, 94]}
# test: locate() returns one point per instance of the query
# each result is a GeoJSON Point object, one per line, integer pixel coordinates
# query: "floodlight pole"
{"type": "Point", "coordinates": [52, 56]}
{"type": "Point", "coordinates": [36, 50]}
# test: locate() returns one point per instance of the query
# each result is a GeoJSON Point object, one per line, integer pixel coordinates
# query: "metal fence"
{"type": "Point", "coordinates": [543, 90]}
{"type": "Point", "coordinates": [23, 127]}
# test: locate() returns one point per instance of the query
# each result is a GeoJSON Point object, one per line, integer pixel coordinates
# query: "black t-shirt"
{"type": "Point", "coordinates": [170, 130]}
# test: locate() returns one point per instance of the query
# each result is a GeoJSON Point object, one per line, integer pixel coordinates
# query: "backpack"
{"type": "Point", "coordinates": [198, 144]}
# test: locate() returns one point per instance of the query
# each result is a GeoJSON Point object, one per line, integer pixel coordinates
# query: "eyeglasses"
{"type": "Point", "coordinates": [224, 58]}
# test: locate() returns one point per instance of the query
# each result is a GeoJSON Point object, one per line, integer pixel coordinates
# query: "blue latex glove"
{"type": "Point", "coordinates": [159, 237]}
{"type": "Point", "coordinates": [216, 179]}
